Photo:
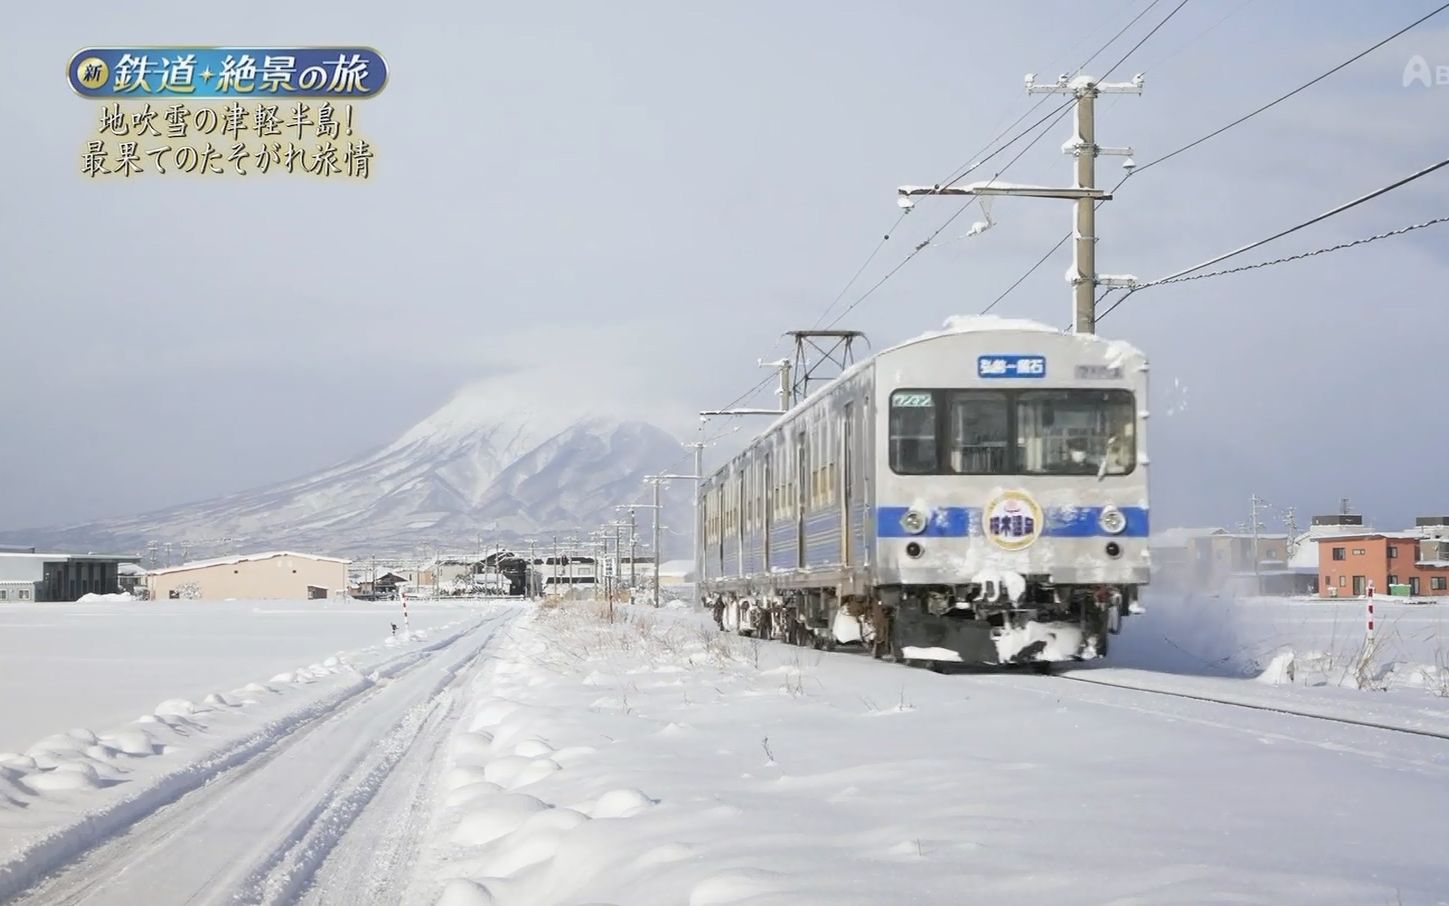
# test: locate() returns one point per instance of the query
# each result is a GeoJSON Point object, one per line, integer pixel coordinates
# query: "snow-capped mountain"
{"type": "Point", "coordinates": [485, 464]}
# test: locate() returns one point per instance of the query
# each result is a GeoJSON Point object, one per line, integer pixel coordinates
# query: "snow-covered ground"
{"type": "Point", "coordinates": [512, 754]}
{"type": "Point", "coordinates": [651, 760]}
{"type": "Point", "coordinates": [99, 665]}
{"type": "Point", "coordinates": [241, 795]}
{"type": "Point", "coordinates": [1228, 636]}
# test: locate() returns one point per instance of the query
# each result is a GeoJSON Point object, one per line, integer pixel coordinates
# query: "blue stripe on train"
{"type": "Point", "coordinates": [959, 521]}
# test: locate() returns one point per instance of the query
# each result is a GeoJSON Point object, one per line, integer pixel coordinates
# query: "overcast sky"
{"type": "Point", "coordinates": [650, 193]}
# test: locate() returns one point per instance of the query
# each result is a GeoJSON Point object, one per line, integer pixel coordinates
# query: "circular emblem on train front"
{"type": "Point", "coordinates": [1012, 520]}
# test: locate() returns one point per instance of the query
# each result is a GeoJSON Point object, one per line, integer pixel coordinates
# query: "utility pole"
{"type": "Point", "coordinates": [1290, 522]}
{"type": "Point", "coordinates": [634, 539]}
{"type": "Point", "coordinates": [657, 480]}
{"type": "Point", "coordinates": [1256, 504]}
{"type": "Point", "coordinates": [633, 551]}
{"type": "Point", "coordinates": [1083, 146]}
{"type": "Point", "coordinates": [695, 534]}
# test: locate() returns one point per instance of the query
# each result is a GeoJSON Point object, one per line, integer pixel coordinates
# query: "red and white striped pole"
{"type": "Point", "coordinates": [1370, 633]}
{"type": "Point", "coordinates": [408, 627]}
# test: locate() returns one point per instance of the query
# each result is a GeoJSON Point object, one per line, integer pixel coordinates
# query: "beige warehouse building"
{"type": "Point", "coordinates": [278, 575]}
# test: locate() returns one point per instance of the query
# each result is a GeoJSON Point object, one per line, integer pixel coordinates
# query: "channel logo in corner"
{"type": "Point", "coordinates": [227, 72]}
{"type": "Point", "coordinates": [1011, 520]}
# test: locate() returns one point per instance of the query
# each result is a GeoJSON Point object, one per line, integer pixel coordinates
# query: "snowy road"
{"type": "Point", "coordinates": [340, 797]}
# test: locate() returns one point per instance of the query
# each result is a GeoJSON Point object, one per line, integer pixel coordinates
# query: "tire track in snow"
{"type": "Point", "coordinates": [208, 805]}
{"type": "Point", "coordinates": [295, 864]}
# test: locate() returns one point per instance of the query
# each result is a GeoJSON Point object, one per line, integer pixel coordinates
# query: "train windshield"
{"type": "Point", "coordinates": [1012, 432]}
{"type": "Point", "coordinates": [1075, 432]}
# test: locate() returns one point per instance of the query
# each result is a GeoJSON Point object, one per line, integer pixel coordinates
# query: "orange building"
{"type": "Point", "coordinates": [1347, 564]}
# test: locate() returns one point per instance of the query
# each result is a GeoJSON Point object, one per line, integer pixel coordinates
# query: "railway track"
{"type": "Point", "coordinates": [1253, 706]}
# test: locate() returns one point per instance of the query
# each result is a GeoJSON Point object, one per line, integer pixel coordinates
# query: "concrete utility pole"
{"type": "Point", "coordinates": [634, 539]}
{"type": "Point", "coordinates": [698, 447]}
{"type": "Point", "coordinates": [1256, 505]}
{"type": "Point", "coordinates": [657, 480]}
{"type": "Point", "coordinates": [1083, 146]}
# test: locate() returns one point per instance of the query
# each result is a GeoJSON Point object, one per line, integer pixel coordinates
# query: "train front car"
{"type": "Point", "coordinates": [1011, 495]}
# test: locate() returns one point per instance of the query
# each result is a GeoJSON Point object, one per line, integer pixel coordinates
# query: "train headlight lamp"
{"type": "Point", "coordinates": [913, 521]}
{"type": "Point", "coordinates": [1112, 521]}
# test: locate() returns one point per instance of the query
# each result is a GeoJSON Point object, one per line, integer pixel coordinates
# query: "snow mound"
{"type": "Point", "coordinates": [133, 742]}
{"type": "Point", "coordinates": [462, 892]}
{"type": "Point", "coordinates": [470, 792]}
{"type": "Point", "coordinates": [95, 598]}
{"type": "Point", "coordinates": [532, 748]}
{"type": "Point", "coordinates": [64, 778]}
{"type": "Point", "coordinates": [459, 777]}
{"type": "Point", "coordinates": [472, 748]}
{"type": "Point", "coordinates": [495, 817]}
{"type": "Point", "coordinates": [620, 804]}
{"type": "Point", "coordinates": [491, 714]}
{"type": "Point", "coordinates": [176, 707]}
{"type": "Point", "coordinates": [1279, 670]}
{"type": "Point", "coordinates": [513, 771]}
{"type": "Point", "coordinates": [536, 840]}
{"type": "Point", "coordinates": [734, 885]}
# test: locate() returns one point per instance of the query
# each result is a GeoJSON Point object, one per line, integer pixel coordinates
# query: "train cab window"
{"type": "Point", "coordinates": [1075, 432]}
{"type": "Point", "coordinates": [979, 433]}
{"type": "Point", "coordinates": [913, 432]}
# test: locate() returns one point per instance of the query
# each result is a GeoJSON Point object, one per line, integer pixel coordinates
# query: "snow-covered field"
{"type": "Point", "coordinates": [653, 761]}
{"type": "Point", "coordinates": [518, 755]}
{"type": "Point", "coordinates": [100, 665]}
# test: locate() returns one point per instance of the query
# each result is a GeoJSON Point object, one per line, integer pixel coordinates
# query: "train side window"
{"type": "Point", "coordinates": [979, 433]}
{"type": "Point", "coordinates": [913, 449]}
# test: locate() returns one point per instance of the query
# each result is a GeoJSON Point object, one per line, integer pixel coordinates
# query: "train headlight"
{"type": "Point", "coordinates": [1111, 520]}
{"type": "Point", "coordinates": [913, 521]}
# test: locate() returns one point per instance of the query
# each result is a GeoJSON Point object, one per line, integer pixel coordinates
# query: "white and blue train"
{"type": "Point", "coordinates": [976, 495]}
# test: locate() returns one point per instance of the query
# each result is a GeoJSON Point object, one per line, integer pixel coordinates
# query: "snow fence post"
{"type": "Point", "coordinates": [407, 626]}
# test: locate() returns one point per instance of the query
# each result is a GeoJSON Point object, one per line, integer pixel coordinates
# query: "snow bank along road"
{"type": "Point", "coordinates": [339, 781]}
{"type": "Point", "coordinates": [651, 760]}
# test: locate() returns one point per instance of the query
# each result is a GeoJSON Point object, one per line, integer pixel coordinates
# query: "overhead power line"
{"type": "Point", "coordinates": [1180, 276]}
{"type": "Point", "coordinates": [976, 160]}
{"type": "Point", "coordinates": [1388, 234]}
{"type": "Point", "coordinates": [1219, 131]}
{"type": "Point", "coordinates": [1280, 99]}
{"type": "Point", "coordinates": [1057, 114]}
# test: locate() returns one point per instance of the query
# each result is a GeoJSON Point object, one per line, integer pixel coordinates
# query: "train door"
{"type": "Point", "coordinates": [765, 514]}
{"type": "Point", "coordinates": [718, 496]}
{"type": "Point", "coordinates": [740, 517]}
{"type": "Point", "coordinates": [802, 478]}
{"type": "Point", "coordinates": [847, 438]}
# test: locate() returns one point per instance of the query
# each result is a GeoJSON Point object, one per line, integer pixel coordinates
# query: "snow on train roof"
{"type": "Point", "coordinates": [962, 324]}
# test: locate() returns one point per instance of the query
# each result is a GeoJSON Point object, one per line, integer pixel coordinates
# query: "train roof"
{"type": "Point", "coordinates": [954, 326]}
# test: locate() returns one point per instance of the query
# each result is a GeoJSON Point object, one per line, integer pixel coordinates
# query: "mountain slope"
{"type": "Point", "coordinates": [475, 466]}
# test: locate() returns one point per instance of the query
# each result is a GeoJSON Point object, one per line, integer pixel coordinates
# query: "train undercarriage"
{"type": "Point", "coordinates": [995, 621]}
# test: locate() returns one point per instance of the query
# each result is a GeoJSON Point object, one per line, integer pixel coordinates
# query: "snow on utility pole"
{"type": "Point", "coordinates": [1083, 146]}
